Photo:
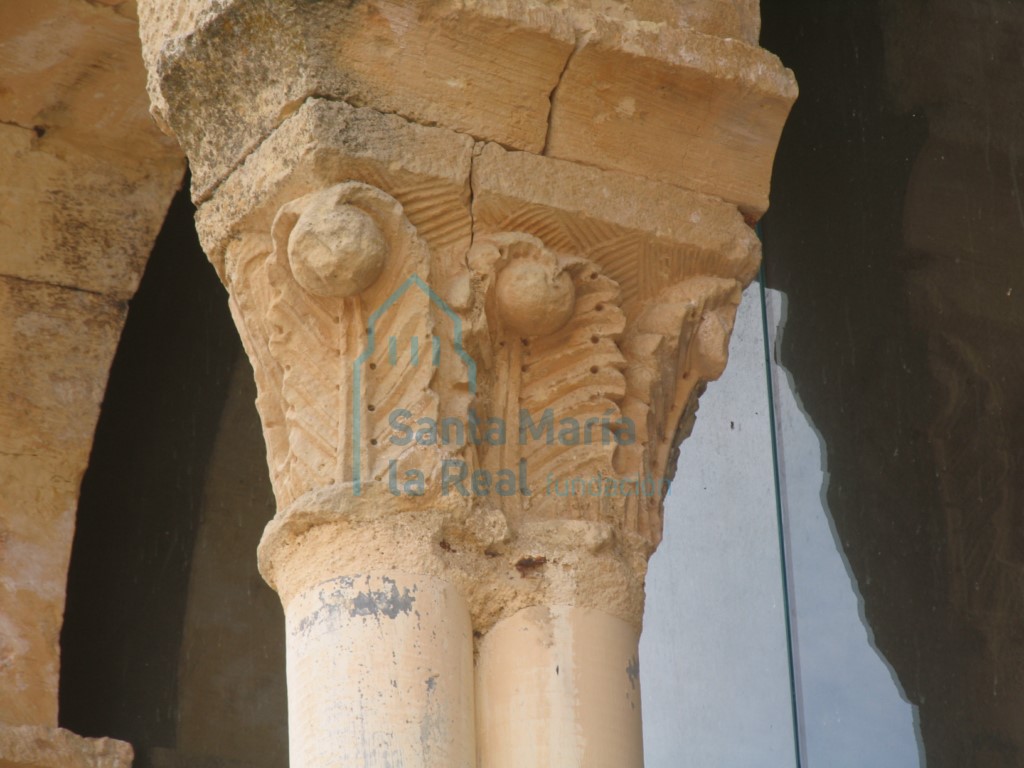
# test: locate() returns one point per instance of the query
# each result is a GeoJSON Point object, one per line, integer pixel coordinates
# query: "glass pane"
{"type": "Point", "coordinates": [852, 708]}
{"type": "Point", "coordinates": [714, 670]}
{"type": "Point", "coordinates": [896, 234]}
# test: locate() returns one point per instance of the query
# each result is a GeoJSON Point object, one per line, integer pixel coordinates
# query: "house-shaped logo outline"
{"type": "Point", "coordinates": [371, 344]}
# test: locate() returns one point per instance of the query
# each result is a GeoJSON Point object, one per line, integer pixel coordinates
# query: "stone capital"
{"type": "Point", "coordinates": [484, 258]}
{"type": "Point", "coordinates": [446, 324]}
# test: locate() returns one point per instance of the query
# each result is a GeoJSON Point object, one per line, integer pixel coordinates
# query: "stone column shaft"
{"type": "Point", "coordinates": [558, 685]}
{"type": "Point", "coordinates": [380, 672]}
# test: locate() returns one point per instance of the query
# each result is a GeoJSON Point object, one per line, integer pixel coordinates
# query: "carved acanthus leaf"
{"type": "Point", "coordinates": [553, 370]}
{"type": "Point", "coordinates": [350, 325]}
{"type": "Point", "coordinates": [678, 342]}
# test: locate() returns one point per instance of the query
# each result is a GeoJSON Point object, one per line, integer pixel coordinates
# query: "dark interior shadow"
{"type": "Point", "coordinates": [896, 232]}
{"type": "Point", "coordinates": [164, 545]}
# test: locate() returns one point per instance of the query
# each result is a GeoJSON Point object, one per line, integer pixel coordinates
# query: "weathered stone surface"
{"type": "Point", "coordinates": [38, 747]}
{"type": "Point", "coordinates": [425, 168]}
{"type": "Point", "coordinates": [486, 69]}
{"type": "Point", "coordinates": [174, 19]}
{"type": "Point", "coordinates": [645, 233]}
{"type": "Point", "coordinates": [631, 229]}
{"type": "Point", "coordinates": [722, 18]}
{"type": "Point", "coordinates": [652, 249]}
{"type": "Point", "coordinates": [70, 218]}
{"type": "Point", "coordinates": [406, 637]}
{"type": "Point", "coordinates": [570, 666]}
{"type": "Point", "coordinates": [74, 65]}
{"type": "Point", "coordinates": [617, 86]}
{"type": "Point", "coordinates": [623, 323]}
{"type": "Point", "coordinates": [87, 174]}
{"type": "Point", "coordinates": [55, 348]}
{"type": "Point", "coordinates": [87, 179]}
{"type": "Point", "coordinates": [674, 105]}
{"type": "Point", "coordinates": [582, 291]}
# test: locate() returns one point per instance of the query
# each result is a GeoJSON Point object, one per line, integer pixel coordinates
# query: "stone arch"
{"type": "Point", "coordinates": [87, 181]}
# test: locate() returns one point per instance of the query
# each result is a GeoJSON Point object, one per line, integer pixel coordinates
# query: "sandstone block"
{"type": "Point", "coordinates": [87, 175]}
{"type": "Point", "coordinates": [325, 142]}
{"type": "Point", "coordinates": [70, 218]}
{"type": "Point", "coordinates": [648, 90]}
{"type": "Point", "coordinates": [37, 747]}
{"type": "Point", "coordinates": [51, 385]}
{"type": "Point", "coordinates": [677, 106]}
{"type": "Point", "coordinates": [645, 234]}
{"type": "Point", "coordinates": [485, 69]}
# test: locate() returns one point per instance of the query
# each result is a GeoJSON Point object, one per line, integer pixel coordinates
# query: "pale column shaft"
{"type": "Point", "coordinates": [380, 673]}
{"type": "Point", "coordinates": [559, 686]}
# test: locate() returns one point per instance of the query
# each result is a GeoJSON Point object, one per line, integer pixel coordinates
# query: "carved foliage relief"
{"type": "Point", "coordinates": [522, 383]}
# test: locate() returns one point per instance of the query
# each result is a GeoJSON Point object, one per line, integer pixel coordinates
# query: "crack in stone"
{"type": "Point", "coordinates": [119, 9]}
{"type": "Point", "coordinates": [288, 113]}
{"type": "Point", "coordinates": [63, 286]}
{"type": "Point", "coordinates": [477, 149]}
{"type": "Point", "coordinates": [553, 96]}
{"type": "Point", "coordinates": [38, 130]}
